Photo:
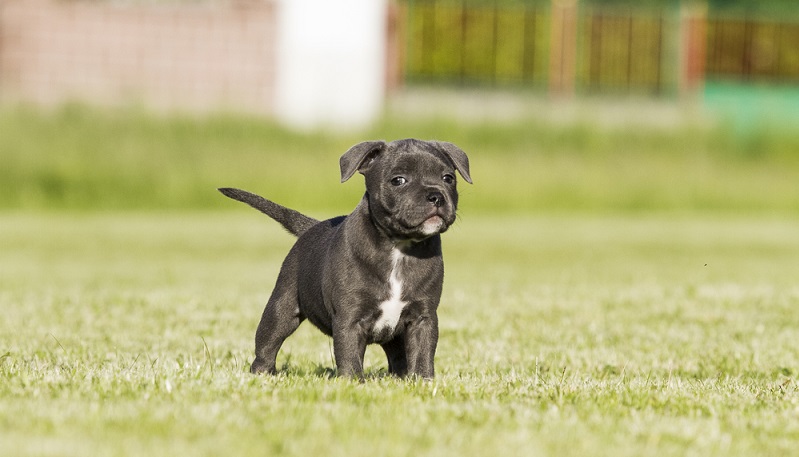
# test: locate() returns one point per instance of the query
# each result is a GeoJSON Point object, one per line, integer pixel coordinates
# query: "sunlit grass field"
{"type": "Point", "coordinates": [606, 294]}
{"type": "Point", "coordinates": [130, 334]}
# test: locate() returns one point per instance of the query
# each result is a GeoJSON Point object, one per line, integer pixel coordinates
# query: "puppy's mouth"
{"type": "Point", "coordinates": [436, 221]}
{"type": "Point", "coordinates": [433, 225]}
{"type": "Point", "coordinates": [419, 224]}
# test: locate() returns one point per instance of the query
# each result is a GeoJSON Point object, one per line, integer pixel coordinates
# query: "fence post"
{"type": "Point", "coordinates": [395, 34]}
{"type": "Point", "coordinates": [563, 47]}
{"type": "Point", "coordinates": [693, 48]}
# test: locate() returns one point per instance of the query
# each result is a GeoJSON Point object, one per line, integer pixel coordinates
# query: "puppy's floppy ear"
{"type": "Point", "coordinates": [359, 157]}
{"type": "Point", "coordinates": [457, 156]}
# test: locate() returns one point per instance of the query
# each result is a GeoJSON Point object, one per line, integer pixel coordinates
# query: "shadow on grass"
{"type": "Point", "coordinates": [327, 372]}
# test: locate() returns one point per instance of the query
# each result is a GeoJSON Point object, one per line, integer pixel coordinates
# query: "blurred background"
{"type": "Point", "coordinates": [562, 105]}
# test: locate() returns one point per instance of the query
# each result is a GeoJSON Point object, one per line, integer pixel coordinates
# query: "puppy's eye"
{"type": "Point", "coordinates": [398, 181]}
{"type": "Point", "coordinates": [448, 178]}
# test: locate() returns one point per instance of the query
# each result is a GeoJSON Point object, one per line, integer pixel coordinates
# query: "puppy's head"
{"type": "Point", "coordinates": [410, 184]}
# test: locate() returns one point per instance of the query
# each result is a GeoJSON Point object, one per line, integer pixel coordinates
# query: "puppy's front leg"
{"type": "Point", "coordinates": [421, 339]}
{"type": "Point", "coordinates": [349, 347]}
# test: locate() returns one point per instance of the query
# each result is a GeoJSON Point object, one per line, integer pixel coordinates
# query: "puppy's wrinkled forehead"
{"type": "Point", "coordinates": [417, 156]}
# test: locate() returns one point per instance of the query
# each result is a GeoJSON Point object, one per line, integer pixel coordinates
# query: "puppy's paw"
{"type": "Point", "coordinates": [259, 366]}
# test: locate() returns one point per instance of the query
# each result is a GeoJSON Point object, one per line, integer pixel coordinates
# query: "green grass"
{"type": "Point", "coordinates": [78, 158]}
{"type": "Point", "coordinates": [130, 334]}
{"type": "Point", "coordinates": [608, 292]}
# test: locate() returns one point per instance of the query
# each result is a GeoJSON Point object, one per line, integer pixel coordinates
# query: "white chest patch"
{"type": "Point", "coordinates": [391, 309]}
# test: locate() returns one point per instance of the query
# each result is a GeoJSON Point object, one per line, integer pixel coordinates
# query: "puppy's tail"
{"type": "Point", "coordinates": [293, 221]}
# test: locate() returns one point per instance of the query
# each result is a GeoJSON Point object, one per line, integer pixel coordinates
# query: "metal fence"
{"type": "Point", "coordinates": [452, 41]}
{"type": "Point", "coordinates": [626, 51]}
{"type": "Point", "coordinates": [623, 50]}
{"type": "Point", "coordinates": [750, 49]}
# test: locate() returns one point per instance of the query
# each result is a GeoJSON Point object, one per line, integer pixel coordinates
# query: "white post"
{"type": "Point", "coordinates": [331, 62]}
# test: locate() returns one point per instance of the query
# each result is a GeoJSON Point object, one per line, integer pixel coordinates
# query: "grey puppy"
{"type": "Point", "coordinates": [374, 276]}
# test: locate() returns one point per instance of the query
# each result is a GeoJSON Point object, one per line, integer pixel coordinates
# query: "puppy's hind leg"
{"type": "Point", "coordinates": [280, 319]}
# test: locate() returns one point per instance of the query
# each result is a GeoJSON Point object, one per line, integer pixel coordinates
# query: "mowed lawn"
{"type": "Point", "coordinates": [609, 334]}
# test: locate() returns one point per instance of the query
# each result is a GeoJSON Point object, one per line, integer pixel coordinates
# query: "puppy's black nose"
{"type": "Point", "coordinates": [436, 198]}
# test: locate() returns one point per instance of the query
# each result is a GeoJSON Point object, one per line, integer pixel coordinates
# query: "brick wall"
{"type": "Point", "coordinates": [173, 57]}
